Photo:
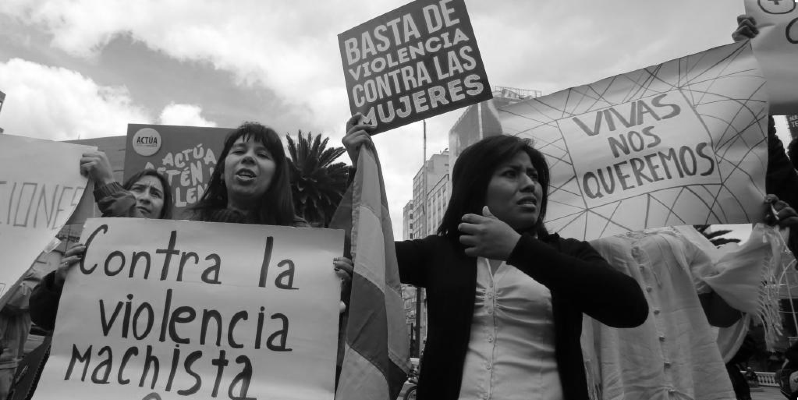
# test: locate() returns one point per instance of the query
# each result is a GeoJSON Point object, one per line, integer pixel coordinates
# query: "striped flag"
{"type": "Point", "coordinates": [376, 346]}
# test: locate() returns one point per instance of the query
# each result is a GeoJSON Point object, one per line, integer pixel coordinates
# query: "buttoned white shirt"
{"type": "Point", "coordinates": [673, 355]}
{"type": "Point", "coordinates": [511, 348]}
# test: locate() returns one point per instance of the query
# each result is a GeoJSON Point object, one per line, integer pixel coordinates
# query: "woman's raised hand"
{"type": "Point", "coordinates": [357, 134]}
{"type": "Point", "coordinates": [72, 256]}
{"type": "Point", "coordinates": [344, 268]}
{"type": "Point", "coordinates": [487, 236]}
{"type": "Point", "coordinates": [95, 166]}
{"type": "Point", "coordinates": [779, 212]}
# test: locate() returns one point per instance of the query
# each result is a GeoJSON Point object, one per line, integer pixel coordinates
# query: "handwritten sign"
{"type": "Point", "coordinates": [40, 187]}
{"type": "Point", "coordinates": [414, 62]}
{"type": "Point", "coordinates": [776, 48]}
{"type": "Point", "coordinates": [683, 142]}
{"type": "Point", "coordinates": [197, 309]}
{"type": "Point", "coordinates": [186, 155]}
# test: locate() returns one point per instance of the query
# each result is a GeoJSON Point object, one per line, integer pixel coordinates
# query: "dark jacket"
{"type": "Point", "coordinates": [781, 178]}
{"type": "Point", "coordinates": [579, 279]}
{"type": "Point", "coordinates": [113, 201]}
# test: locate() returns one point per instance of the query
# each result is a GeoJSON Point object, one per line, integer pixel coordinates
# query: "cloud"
{"type": "Point", "coordinates": [59, 104]}
{"type": "Point", "coordinates": [184, 114]}
{"type": "Point", "coordinates": [291, 49]}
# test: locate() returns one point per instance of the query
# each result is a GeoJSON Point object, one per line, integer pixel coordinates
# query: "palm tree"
{"type": "Point", "coordinates": [317, 184]}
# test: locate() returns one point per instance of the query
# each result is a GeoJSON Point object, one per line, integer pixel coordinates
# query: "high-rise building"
{"type": "Point", "coordinates": [407, 221]}
{"type": "Point", "coordinates": [430, 190]}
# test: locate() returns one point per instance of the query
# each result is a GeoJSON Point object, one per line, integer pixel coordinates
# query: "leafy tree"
{"type": "Point", "coordinates": [317, 183]}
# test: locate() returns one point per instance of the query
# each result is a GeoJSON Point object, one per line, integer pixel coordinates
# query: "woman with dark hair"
{"type": "Point", "coordinates": [146, 194]}
{"type": "Point", "coordinates": [250, 183]}
{"type": "Point", "coordinates": [506, 298]}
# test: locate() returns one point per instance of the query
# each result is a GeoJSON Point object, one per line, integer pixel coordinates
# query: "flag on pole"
{"type": "Point", "coordinates": [376, 345]}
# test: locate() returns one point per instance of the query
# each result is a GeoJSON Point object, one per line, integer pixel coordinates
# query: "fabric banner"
{"type": "Point", "coordinates": [776, 49]}
{"type": "Point", "coordinates": [194, 309]}
{"type": "Point", "coordinates": [415, 62]}
{"type": "Point", "coordinates": [37, 198]}
{"type": "Point", "coordinates": [186, 155]}
{"type": "Point", "coordinates": [683, 142]}
{"type": "Point", "coordinates": [377, 347]}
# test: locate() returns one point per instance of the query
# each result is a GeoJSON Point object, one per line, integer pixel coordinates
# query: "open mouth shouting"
{"type": "Point", "coordinates": [245, 176]}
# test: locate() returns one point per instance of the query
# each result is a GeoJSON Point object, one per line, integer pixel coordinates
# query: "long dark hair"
{"type": "Point", "coordinates": [473, 171]}
{"type": "Point", "coordinates": [274, 208]}
{"type": "Point", "coordinates": [166, 211]}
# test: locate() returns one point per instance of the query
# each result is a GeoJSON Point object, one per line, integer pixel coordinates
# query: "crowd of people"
{"type": "Point", "coordinates": [507, 299]}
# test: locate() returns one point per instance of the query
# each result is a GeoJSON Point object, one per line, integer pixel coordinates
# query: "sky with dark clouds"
{"type": "Point", "coordinates": [87, 68]}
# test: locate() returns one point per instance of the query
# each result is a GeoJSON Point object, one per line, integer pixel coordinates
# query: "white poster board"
{"type": "Point", "coordinates": [776, 49]}
{"type": "Point", "coordinates": [679, 143]}
{"type": "Point", "coordinates": [174, 309]}
{"type": "Point", "coordinates": [40, 187]}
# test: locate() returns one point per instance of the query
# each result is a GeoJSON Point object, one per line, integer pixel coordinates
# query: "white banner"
{"type": "Point", "coordinates": [776, 49]}
{"type": "Point", "coordinates": [683, 142]}
{"type": "Point", "coordinates": [172, 309]}
{"type": "Point", "coordinates": [40, 187]}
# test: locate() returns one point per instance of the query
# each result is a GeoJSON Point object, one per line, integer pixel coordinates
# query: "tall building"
{"type": "Point", "coordinates": [481, 120]}
{"type": "Point", "coordinates": [430, 190]}
{"type": "Point", "coordinates": [407, 221]}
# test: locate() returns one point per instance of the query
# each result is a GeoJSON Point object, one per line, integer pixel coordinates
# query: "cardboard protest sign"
{"type": "Point", "coordinates": [414, 62]}
{"type": "Point", "coordinates": [776, 49]}
{"type": "Point", "coordinates": [792, 124]}
{"type": "Point", "coordinates": [683, 142]}
{"type": "Point", "coordinates": [197, 309]}
{"type": "Point", "coordinates": [40, 187]}
{"type": "Point", "coordinates": [186, 155]}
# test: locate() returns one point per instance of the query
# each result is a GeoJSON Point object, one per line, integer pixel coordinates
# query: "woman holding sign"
{"type": "Point", "coordinates": [505, 297]}
{"type": "Point", "coordinates": [146, 194]}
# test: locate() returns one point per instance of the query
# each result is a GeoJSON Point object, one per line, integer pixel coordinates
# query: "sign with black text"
{"type": "Point", "coordinates": [185, 155]}
{"type": "Point", "coordinates": [415, 62]}
{"type": "Point", "coordinates": [37, 198]}
{"type": "Point", "coordinates": [678, 143]}
{"type": "Point", "coordinates": [197, 309]}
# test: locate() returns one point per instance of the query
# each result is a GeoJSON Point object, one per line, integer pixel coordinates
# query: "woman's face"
{"type": "Point", "coordinates": [149, 195]}
{"type": "Point", "coordinates": [514, 194]}
{"type": "Point", "coordinates": [248, 170]}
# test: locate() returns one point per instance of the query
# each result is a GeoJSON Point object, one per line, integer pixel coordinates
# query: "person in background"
{"type": "Point", "coordinates": [146, 194]}
{"type": "Point", "coordinates": [781, 179]}
{"type": "Point", "coordinates": [15, 321]}
{"type": "Point", "coordinates": [505, 297]}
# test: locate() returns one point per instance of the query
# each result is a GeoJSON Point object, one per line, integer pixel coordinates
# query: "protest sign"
{"type": "Point", "coordinates": [776, 49]}
{"type": "Point", "coordinates": [40, 187]}
{"type": "Point", "coordinates": [683, 142]}
{"type": "Point", "coordinates": [197, 309]}
{"type": "Point", "coordinates": [414, 62]}
{"type": "Point", "coordinates": [186, 155]}
{"type": "Point", "coordinates": [792, 124]}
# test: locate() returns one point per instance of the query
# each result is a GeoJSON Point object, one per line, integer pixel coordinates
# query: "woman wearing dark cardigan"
{"type": "Point", "coordinates": [506, 298]}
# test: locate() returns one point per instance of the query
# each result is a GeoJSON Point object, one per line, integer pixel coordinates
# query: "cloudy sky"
{"type": "Point", "coordinates": [87, 68]}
